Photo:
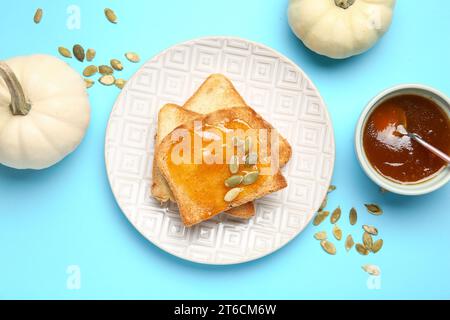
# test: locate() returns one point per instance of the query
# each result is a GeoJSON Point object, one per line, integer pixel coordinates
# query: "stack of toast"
{"type": "Point", "coordinates": [203, 189]}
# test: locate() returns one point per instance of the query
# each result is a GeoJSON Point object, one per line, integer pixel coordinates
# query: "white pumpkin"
{"type": "Point", "coordinates": [44, 111]}
{"type": "Point", "coordinates": [340, 28]}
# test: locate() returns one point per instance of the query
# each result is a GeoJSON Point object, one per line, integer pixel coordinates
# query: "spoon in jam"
{"type": "Point", "coordinates": [400, 124]}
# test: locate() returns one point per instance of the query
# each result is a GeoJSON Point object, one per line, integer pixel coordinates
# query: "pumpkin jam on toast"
{"type": "Point", "coordinates": [220, 161]}
{"type": "Point", "coordinates": [170, 117]}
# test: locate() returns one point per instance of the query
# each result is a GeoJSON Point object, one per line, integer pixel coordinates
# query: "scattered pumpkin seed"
{"type": "Point", "coordinates": [328, 247]}
{"type": "Point", "coordinates": [89, 71]}
{"type": "Point", "coordinates": [377, 245]}
{"type": "Point", "coordinates": [335, 216]}
{"type": "Point", "coordinates": [107, 80]}
{"type": "Point", "coordinates": [120, 83]}
{"type": "Point", "coordinates": [370, 229]}
{"type": "Point", "coordinates": [105, 70]}
{"type": "Point", "coordinates": [321, 235]}
{"type": "Point", "coordinates": [349, 243]}
{"type": "Point", "coordinates": [374, 209]}
{"type": "Point", "coordinates": [353, 216]}
{"type": "Point", "coordinates": [371, 269]}
{"type": "Point", "coordinates": [110, 15]}
{"type": "Point", "coordinates": [38, 16]}
{"type": "Point", "coordinates": [383, 190]}
{"type": "Point", "coordinates": [331, 188]}
{"type": "Point", "coordinates": [116, 64]}
{"type": "Point", "coordinates": [361, 249]}
{"type": "Point", "coordinates": [232, 194]}
{"type": "Point", "coordinates": [234, 164]}
{"type": "Point", "coordinates": [320, 217]}
{"type": "Point", "coordinates": [89, 83]}
{"type": "Point", "coordinates": [234, 181]}
{"type": "Point", "coordinates": [367, 241]}
{"type": "Point", "coordinates": [90, 54]}
{"type": "Point", "coordinates": [132, 57]}
{"type": "Point", "coordinates": [78, 52]}
{"type": "Point", "coordinates": [64, 52]}
{"type": "Point", "coordinates": [250, 178]}
{"type": "Point", "coordinates": [337, 232]}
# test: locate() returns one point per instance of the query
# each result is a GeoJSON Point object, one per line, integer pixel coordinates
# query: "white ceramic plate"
{"type": "Point", "coordinates": [271, 84]}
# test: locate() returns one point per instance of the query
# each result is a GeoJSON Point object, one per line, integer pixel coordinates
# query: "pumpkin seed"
{"type": "Point", "coordinates": [337, 232]}
{"type": "Point", "coordinates": [324, 204]}
{"type": "Point", "coordinates": [383, 190]}
{"type": "Point", "coordinates": [89, 83]}
{"type": "Point", "coordinates": [64, 52]}
{"type": "Point", "coordinates": [336, 215]}
{"type": "Point", "coordinates": [38, 16]}
{"type": "Point", "coordinates": [232, 194]}
{"type": "Point", "coordinates": [377, 245]}
{"type": "Point", "coordinates": [331, 188]}
{"type": "Point", "coordinates": [110, 15]}
{"type": "Point", "coordinates": [234, 164]}
{"type": "Point", "coordinates": [349, 243]}
{"type": "Point", "coordinates": [374, 209]}
{"type": "Point", "coordinates": [233, 181]}
{"type": "Point", "coordinates": [120, 83]}
{"type": "Point", "coordinates": [116, 64]}
{"type": "Point", "coordinates": [250, 178]}
{"type": "Point", "coordinates": [328, 247]}
{"type": "Point", "coordinates": [320, 217]}
{"type": "Point", "coordinates": [251, 158]}
{"type": "Point", "coordinates": [78, 52]}
{"type": "Point", "coordinates": [371, 230]}
{"type": "Point", "coordinates": [321, 235]}
{"type": "Point", "coordinates": [371, 269]}
{"type": "Point", "coordinates": [107, 80]}
{"type": "Point", "coordinates": [367, 241]}
{"type": "Point", "coordinates": [353, 216]}
{"type": "Point", "coordinates": [132, 57]}
{"type": "Point", "coordinates": [90, 54]}
{"type": "Point", "coordinates": [361, 249]}
{"type": "Point", "coordinates": [105, 70]}
{"type": "Point", "coordinates": [89, 71]}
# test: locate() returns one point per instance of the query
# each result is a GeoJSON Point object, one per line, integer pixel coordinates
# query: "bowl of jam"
{"type": "Point", "coordinates": [395, 161]}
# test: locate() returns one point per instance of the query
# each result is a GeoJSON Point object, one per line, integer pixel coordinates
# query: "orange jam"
{"type": "Point", "coordinates": [207, 177]}
{"type": "Point", "coordinates": [396, 156]}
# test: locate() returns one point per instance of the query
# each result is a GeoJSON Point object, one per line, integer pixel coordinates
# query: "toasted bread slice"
{"type": "Point", "coordinates": [216, 93]}
{"type": "Point", "coordinates": [199, 188]}
{"type": "Point", "coordinates": [171, 116]}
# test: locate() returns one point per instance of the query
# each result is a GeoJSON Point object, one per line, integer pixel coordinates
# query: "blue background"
{"type": "Point", "coordinates": [66, 215]}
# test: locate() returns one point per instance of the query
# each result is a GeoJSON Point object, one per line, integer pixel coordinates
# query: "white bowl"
{"type": "Point", "coordinates": [424, 187]}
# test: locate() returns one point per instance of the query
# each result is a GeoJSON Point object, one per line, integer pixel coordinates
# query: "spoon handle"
{"type": "Point", "coordinates": [433, 149]}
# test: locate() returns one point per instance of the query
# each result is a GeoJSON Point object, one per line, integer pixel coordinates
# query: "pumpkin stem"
{"type": "Point", "coordinates": [344, 4]}
{"type": "Point", "coordinates": [19, 105]}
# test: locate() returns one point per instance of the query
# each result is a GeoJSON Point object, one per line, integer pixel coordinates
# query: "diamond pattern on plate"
{"type": "Point", "coordinates": [273, 86]}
